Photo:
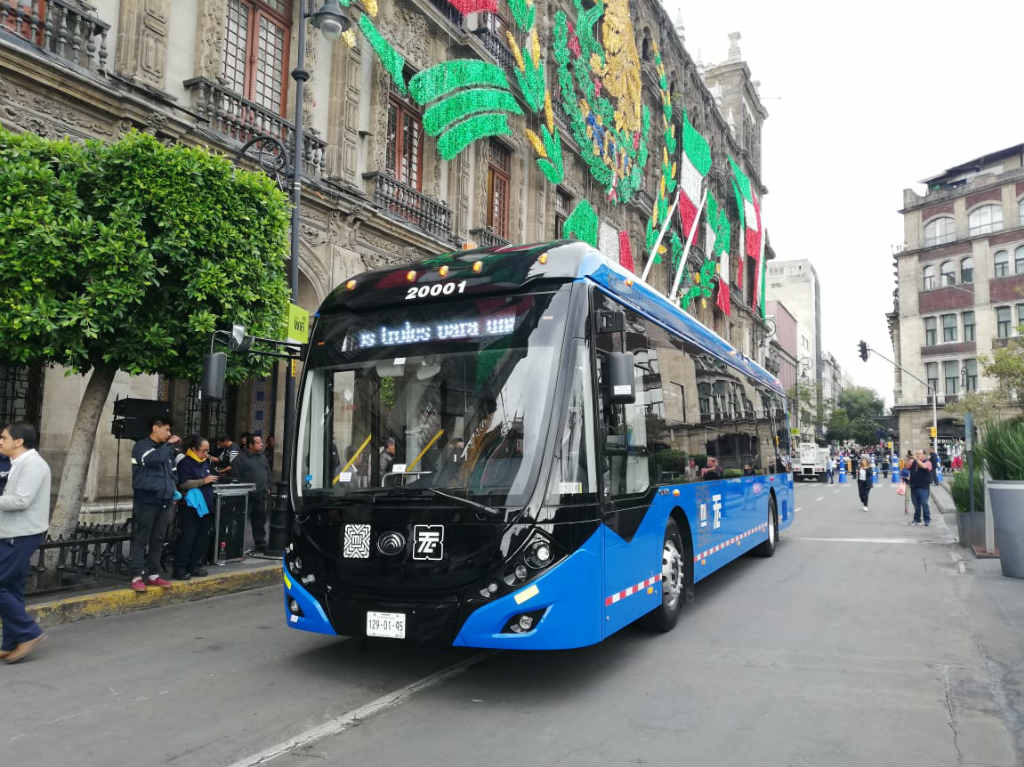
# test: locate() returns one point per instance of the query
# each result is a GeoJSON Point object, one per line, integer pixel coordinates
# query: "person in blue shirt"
{"type": "Point", "coordinates": [194, 474]}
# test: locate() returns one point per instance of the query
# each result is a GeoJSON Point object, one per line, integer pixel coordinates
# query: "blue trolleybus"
{"type": "Point", "coordinates": [524, 448]}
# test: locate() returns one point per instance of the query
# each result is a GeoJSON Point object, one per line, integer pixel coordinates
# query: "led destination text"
{"type": "Point", "coordinates": [454, 330]}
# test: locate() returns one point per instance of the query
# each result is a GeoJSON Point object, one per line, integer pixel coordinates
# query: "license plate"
{"type": "Point", "coordinates": [387, 625]}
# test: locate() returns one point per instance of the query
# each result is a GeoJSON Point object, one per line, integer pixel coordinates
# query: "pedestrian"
{"type": "Point", "coordinates": [243, 441]}
{"type": "Point", "coordinates": [885, 467]}
{"type": "Point", "coordinates": [933, 459]}
{"type": "Point", "coordinates": [387, 456]}
{"type": "Point", "coordinates": [712, 470]}
{"type": "Point", "coordinates": [864, 480]}
{"type": "Point", "coordinates": [268, 452]}
{"type": "Point", "coordinates": [227, 452]}
{"type": "Point", "coordinates": [153, 489]}
{"type": "Point", "coordinates": [5, 469]}
{"type": "Point", "coordinates": [920, 480]}
{"type": "Point", "coordinates": [251, 466]}
{"type": "Point", "coordinates": [690, 472]}
{"type": "Point", "coordinates": [195, 481]}
{"type": "Point", "coordinates": [828, 469]}
{"type": "Point", "coordinates": [24, 517]}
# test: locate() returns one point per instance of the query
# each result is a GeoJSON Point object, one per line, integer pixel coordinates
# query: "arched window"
{"type": "Point", "coordinates": [1002, 262]}
{"type": "Point", "coordinates": [939, 230]}
{"type": "Point", "coordinates": [929, 277]}
{"type": "Point", "coordinates": [967, 270]}
{"type": "Point", "coordinates": [987, 218]}
{"type": "Point", "coordinates": [1018, 260]}
{"type": "Point", "coordinates": [645, 46]}
{"type": "Point", "coordinates": [947, 273]}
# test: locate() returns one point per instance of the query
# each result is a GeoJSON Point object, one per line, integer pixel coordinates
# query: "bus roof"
{"type": "Point", "coordinates": [515, 267]}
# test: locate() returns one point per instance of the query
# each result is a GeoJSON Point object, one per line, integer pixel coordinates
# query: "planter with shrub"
{"type": "Point", "coordinates": [970, 526]}
{"type": "Point", "coordinates": [1002, 451]}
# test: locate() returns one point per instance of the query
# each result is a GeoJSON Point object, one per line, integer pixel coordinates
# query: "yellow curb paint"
{"type": "Point", "coordinates": [120, 601]}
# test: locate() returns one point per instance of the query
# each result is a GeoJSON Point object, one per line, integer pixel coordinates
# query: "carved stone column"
{"type": "Point", "coordinates": [212, 23]}
{"type": "Point", "coordinates": [142, 41]}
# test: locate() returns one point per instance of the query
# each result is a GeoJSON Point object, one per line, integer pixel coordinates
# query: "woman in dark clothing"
{"type": "Point", "coordinates": [194, 473]}
{"type": "Point", "coordinates": [864, 480]}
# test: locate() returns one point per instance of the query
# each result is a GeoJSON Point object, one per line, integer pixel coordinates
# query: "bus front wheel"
{"type": "Point", "coordinates": [675, 581]}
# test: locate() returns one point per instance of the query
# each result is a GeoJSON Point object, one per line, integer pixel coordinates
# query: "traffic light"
{"type": "Point", "coordinates": [863, 346]}
{"type": "Point", "coordinates": [932, 432]}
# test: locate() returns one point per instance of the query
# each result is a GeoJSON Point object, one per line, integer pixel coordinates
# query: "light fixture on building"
{"type": "Point", "coordinates": [331, 22]}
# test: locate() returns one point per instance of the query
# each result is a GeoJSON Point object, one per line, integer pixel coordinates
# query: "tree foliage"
{"type": "Point", "coordinates": [126, 256]}
{"type": "Point", "coordinates": [130, 254]}
{"type": "Point", "coordinates": [860, 402]}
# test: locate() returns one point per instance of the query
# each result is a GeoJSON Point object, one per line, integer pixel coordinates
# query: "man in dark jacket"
{"type": "Point", "coordinates": [153, 489]}
{"type": "Point", "coordinates": [920, 486]}
{"type": "Point", "coordinates": [251, 466]}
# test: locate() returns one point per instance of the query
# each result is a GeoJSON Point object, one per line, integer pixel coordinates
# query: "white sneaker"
{"type": "Point", "coordinates": [865, 508]}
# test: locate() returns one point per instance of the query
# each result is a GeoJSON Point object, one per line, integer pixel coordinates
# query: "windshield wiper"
{"type": "Point", "coordinates": [489, 510]}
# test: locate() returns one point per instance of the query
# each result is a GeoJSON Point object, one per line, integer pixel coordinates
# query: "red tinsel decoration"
{"type": "Point", "coordinates": [625, 251]}
{"type": "Point", "coordinates": [473, 6]}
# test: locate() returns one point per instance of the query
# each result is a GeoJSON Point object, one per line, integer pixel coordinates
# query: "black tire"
{"type": "Point", "coordinates": [676, 581]}
{"type": "Point", "coordinates": [767, 548]}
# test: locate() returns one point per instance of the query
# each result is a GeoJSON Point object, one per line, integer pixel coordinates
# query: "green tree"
{"type": "Point", "coordinates": [838, 428]}
{"type": "Point", "coordinates": [126, 256]}
{"type": "Point", "coordinates": [1006, 366]}
{"type": "Point", "coordinates": [860, 402]}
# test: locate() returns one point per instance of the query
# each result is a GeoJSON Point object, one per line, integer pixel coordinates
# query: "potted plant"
{"type": "Point", "coordinates": [1002, 451]}
{"type": "Point", "coordinates": [970, 526]}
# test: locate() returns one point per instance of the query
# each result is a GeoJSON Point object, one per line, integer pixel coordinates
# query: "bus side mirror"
{"type": "Point", "coordinates": [621, 389]}
{"type": "Point", "coordinates": [214, 370]}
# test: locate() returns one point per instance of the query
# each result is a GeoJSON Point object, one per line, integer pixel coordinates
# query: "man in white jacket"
{"type": "Point", "coordinates": [24, 518]}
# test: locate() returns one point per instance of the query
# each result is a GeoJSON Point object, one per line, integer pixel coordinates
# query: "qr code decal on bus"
{"type": "Point", "coordinates": [357, 542]}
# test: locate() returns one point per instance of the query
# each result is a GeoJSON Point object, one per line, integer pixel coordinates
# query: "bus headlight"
{"type": "Point", "coordinates": [538, 554]}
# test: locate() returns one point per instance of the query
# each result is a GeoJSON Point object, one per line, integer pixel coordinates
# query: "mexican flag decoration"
{"type": "Point", "coordinates": [716, 242]}
{"type": "Point", "coordinates": [750, 226]}
{"type": "Point", "coordinates": [696, 162]}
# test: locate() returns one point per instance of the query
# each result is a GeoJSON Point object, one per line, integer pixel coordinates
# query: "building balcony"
{"type": "Point", "coordinates": [431, 216]}
{"type": "Point", "coordinates": [498, 48]}
{"type": "Point", "coordinates": [486, 237]}
{"type": "Point", "coordinates": [237, 120]}
{"type": "Point", "coordinates": [937, 350]}
{"type": "Point", "coordinates": [67, 29]}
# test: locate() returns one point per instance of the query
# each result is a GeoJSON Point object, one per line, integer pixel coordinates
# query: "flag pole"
{"type": "Point", "coordinates": [686, 250]}
{"type": "Point", "coordinates": [661, 235]}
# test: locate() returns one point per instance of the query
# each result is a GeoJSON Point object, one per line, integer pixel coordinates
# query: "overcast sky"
{"type": "Point", "coordinates": [864, 100]}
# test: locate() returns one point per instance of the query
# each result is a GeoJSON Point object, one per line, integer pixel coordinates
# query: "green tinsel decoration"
{"type": "Point", "coordinates": [551, 167]}
{"type": "Point", "coordinates": [573, 73]}
{"type": "Point", "coordinates": [582, 224]}
{"type": "Point", "coordinates": [443, 78]}
{"type": "Point", "coordinates": [467, 102]}
{"type": "Point", "coordinates": [390, 59]}
{"type": "Point", "coordinates": [466, 132]}
{"type": "Point", "coordinates": [522, 13]}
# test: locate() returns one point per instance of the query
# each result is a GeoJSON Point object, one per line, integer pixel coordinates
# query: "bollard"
{"type": "Point", "coordinates": [938, 474]}
{"type": "Point", "coordinates": [842, 472]}
{"type": "Point", "coordinates": [874, 476]}
{"type": "Point", "coordinates": [894, 470]}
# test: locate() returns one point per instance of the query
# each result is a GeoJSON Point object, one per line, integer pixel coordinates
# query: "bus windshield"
{"type": "Point", "coordinates": [452, 397]}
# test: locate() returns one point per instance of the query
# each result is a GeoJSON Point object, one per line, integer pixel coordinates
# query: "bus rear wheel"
{"type": "Point", "coordinates": [675, 581]}
{"type": "Point", "coordinates": [767, 548]}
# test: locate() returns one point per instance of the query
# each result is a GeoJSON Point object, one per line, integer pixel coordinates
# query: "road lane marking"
{"type": "Point", "coordinates": [357, 715]}
{"type": "Point", "coordinates": [798, 508]}
{"type": "Point", "coordinates": [819, 498]}
{"type": "Point", "coordinates": [857, 540]}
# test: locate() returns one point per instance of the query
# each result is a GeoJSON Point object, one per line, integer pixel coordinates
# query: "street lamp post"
{"type": "Point", "coordinates": [332, 24]}
{"type": "Point", "coordinates": [806, 361]}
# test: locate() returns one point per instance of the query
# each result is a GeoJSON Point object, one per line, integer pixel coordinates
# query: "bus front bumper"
{"type": "Point", "coordinates": [564, 604]}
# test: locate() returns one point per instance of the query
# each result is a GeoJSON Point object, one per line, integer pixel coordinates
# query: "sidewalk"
{"type": "Point", "coordinates": [238, 576]}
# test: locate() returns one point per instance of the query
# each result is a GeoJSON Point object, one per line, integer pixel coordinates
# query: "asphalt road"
{"type": "Point", "coordinates": [862, 641]}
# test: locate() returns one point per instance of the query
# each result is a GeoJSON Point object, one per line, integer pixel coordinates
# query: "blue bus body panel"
{"type": "Point", "coordinates": [569, 593]}
{"type": "Point", "coordinates": [582, 607]}
{"type": "Point", "coordinates": [313, 617]}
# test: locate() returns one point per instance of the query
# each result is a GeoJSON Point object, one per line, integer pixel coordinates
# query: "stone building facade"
{"type": "Point", "coordinates": [375, 190]}
{"type": "Point", "coordinates": [959, 286]}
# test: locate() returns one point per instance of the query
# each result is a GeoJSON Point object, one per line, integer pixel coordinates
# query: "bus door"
{"type": "Point", "coordinates": [632, 550]}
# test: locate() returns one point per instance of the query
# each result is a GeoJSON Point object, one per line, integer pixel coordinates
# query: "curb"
{"type": "Point", "coordinates": [121, 601]}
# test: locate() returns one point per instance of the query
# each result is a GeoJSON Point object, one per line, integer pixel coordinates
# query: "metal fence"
{"type": "Point", "coordinates": [92, 555]}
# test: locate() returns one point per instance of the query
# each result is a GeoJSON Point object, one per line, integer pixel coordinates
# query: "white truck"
{"type": "Point", "coordinates": [813, 461]}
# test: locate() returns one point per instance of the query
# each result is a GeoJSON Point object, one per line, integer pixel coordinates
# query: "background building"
{"type": "Point", "coordinates": [376, 189]}
{"type": "Point", "coordinates": [959, 287]}
{"type": "Point", "coordinates": [831, 383]}
{"type": "Point", "coordinates": [782, 355]}
{"type": "Point", "coordinates": [795, 284]}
